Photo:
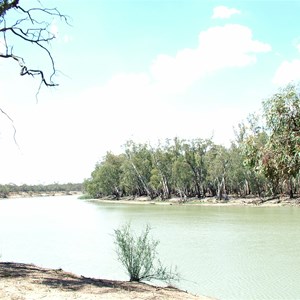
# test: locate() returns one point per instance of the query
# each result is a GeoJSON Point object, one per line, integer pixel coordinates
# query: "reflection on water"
{"type": "Point", "coordinates": [225, 252]}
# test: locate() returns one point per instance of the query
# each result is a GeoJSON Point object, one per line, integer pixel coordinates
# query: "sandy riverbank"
{"type": "Point", "coordinates": [210, 201]}
{"type": "Point", "coordinates": [41, 194]}
{"type": "Point", "coordinates": [29, 282]}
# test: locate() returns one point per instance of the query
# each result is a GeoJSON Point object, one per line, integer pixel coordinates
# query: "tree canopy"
{"type": "Point", "coordinates": [264, 160]}
{"type": "Point", "coordinates": [273, 150]}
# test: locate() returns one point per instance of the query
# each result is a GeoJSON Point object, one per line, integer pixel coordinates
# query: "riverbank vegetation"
{"type": "Point", "coordinates": [138, 254]}
{"type": "Point", "coordinates": [262, 161]}
{"type": "Point", "coordinates": [8, 190]}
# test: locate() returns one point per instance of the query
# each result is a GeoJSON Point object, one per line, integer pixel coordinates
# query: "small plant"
{"type": "Point", "coordinates": [85, 197]}
{"type": "Point", "coordinates": [138, 256]}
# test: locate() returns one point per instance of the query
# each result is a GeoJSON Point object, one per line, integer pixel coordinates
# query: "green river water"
{"type": "Point", "coordinates": [222, 252]}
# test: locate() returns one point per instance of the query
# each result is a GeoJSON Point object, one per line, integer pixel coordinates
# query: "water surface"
{"type": "Point", "coordinates": [223, 252]}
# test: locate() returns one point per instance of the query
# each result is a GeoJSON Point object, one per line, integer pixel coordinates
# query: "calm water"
{"type": "Point", "coordinates": [223, 252]}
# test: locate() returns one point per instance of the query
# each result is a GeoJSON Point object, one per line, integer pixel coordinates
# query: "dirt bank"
{"type": "Point", "coordinates": [29, 282]}
{"type": "Point", "coordinates": [41, 194]}
{"type": "Point", "coordinates": [209, 201]}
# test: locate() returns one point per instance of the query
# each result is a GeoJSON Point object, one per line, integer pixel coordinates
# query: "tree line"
{"type": "Point", "coordinates": [263, 160]}
{"type": "Point", "coordinates": [7, 189]}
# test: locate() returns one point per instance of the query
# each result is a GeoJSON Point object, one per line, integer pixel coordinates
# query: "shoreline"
{"type": "Point", "coordinates": [28, 282]}
{"type": "Point", "coordinates": [13, 195]}
{"type": "Point", "coordinates": [209, 201]}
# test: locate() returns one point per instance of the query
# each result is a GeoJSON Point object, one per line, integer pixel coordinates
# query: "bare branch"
{"type": "Point", "coordinates": [33, 27]}
{"type": "Point", "coordinates": [38, 33]}
{"type": "Point", "coordinates": [12, 124]}
{"type": "Point", "coordinates": [51, 11]}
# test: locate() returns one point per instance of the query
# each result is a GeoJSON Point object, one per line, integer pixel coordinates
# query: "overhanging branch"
{"type": "Point", "coordinates": [34, 27]}
{"type": "Point", "coordinates": [12, 124]}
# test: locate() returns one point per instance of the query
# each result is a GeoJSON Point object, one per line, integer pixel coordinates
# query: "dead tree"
{"type": "Point", "coordinates": [31, 26]}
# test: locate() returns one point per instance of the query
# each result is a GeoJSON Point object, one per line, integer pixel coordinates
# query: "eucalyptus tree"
{"type": "Point", "coordinates": [218, 165]}
{"type": "Point", "coordinates": [139, 165]}
{"type": "Point", "coordinates": [194, 154]}
{"type": "Point", "coordinates": [244, 177]}
{"type": "Point", "coordinates": [129, 180]}
{"type": "Point", "coordinates": [4, 191]}
{"type": "Point", "coordinates": [281, 159]}
{"type": "Point", "coordinates": [237, 179]}
{"type": "Point", "coordinates": [170, 154]}
{"type": "Point", "coordinates": [162, 160]}
{"type": "Point", "coordinates": [273, 150]}
{"type": "Point", "coordinates": [106, 178]}
{"type": "Point", "coordinates": [182, 177]}
{"type": "Point", "coordinates": [110, 175]}
{"type": "Point", "coordinates": [253, 151]}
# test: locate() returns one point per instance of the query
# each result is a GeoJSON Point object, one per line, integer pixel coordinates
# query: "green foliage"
{"type": "Point", "coordinates": [272, 151]}
{"type": "Point", "coordinates": [140, 166]}
{"type": "Point", "coordinates": [194, 155]}
{"type": "Point", "coordinates": [155, 179]}
{"type": "Point", "coordinates": [138, 255]}
{"type": "Point", "coordinates": [252, 139]}
{"type": "Point", "coordinates": [182, 176]}
{"type": "Point", "coordinates": [162, 170]}
{"type": "Point", "coordinates": [106, 178]}
{"type": "Point", "coordinates": [85, 197]}
{"type": "Point", "coordinates": [6, 189]}
{"type": "Point", "coordinates": [264, 160]}
{"type": "Point", "coordinates": [185, 168]}
{"type": "Point", "coordinates": [282, 112]}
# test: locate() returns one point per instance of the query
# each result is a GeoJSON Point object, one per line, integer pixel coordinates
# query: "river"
{"type": "Point", "coordinates": [222, 252]}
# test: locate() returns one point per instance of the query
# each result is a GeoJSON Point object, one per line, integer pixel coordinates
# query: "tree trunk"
{"type": "Point", "coordinates": [142, 181]}
{"type": "Point", "coordinates": [221, 190]}
{"type": "Point", "coordinates": [291, 188]}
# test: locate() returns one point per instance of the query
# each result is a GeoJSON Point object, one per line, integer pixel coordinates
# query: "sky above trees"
{"type": "Point", "coordinates": [143, 70]}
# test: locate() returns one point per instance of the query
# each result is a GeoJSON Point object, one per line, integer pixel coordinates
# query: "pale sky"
{"type": "Point", "coordinates": [143, 70]}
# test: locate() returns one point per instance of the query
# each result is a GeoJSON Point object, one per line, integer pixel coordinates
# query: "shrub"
{"type": "Point", "coordinates": [85, 197]}
{"type": "Point", "coordinates": [138, 256]}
